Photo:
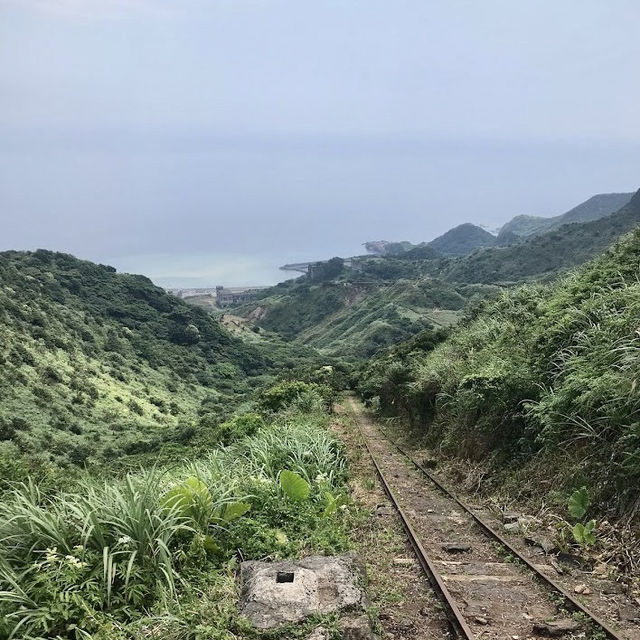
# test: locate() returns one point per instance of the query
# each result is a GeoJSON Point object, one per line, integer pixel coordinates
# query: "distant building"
{"type": "Point", "coordinates": [230, 297]}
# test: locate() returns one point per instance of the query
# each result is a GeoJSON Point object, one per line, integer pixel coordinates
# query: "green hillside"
{"type": "Point", "coordinates": [546, 254]}
{"type": "Point", "coordinates": [143, 450]}
{"type": "Point", "coordinates": [99, 366]}
{"type": "Point", "coordinates": [462, 240]}
{"type": "Point", "coordinates": [153, 554]}
{"type": "Point", "coordinates": [354, 318]}
{"type": "Point", "coordinates": [598, 206]}
{"type": "Point", "coordinates": [459, 241]}
{"type": "Point", "coordinates": [389, 314]}
{"type": "Point", "coordinates": [541, 385]}
{"type": "Point", "coordinates": [383, 300]}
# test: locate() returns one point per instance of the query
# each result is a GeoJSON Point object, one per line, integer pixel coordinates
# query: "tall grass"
{"type": "Point", "coordinates": [107, 552]}
{"type": "Point", "coordinates": [548, 372]}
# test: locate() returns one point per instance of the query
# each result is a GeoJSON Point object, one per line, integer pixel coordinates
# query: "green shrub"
{"type": "Point", "coordinates": [544, 372]}
{"type": "Point", "coordinates": [103, 555]}
{"type": "Point", "coordinates": [241, 426]}
{"type": "Point", "coordinates": [284, 393]}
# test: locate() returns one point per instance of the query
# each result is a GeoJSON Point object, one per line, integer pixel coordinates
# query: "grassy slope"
{"type": "Point", "coordinates": [291, 308]}
{"type": "Point", "coordinates": [353, 319]}
{"type": "Point", "coordinates": [159, 557]}
{"type": "Point", "coordinates": [344, 317]}
{"type": "Point", "coordinates": [390, 314]}
{"type": "Point", "coordinates": [541, 384]}
{"type": "Point", "coordinates": [97, 365]}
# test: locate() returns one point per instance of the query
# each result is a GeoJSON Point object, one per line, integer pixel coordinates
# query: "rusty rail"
{"type": "Point", "coordinates": [455, 617]}
{"type": "Point", "coordinates": [487, 528]}
{"type": "Point", "coordinates": [453, 613]}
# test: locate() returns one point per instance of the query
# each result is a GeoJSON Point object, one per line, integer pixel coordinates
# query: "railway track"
{"type": "Point", "coordinates": [488, 589]}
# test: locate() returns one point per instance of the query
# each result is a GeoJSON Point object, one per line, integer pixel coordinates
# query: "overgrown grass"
{"type": "Point", "coordinates": [545, 378]}
{"type": "Point", "coordinates": [108, 560]}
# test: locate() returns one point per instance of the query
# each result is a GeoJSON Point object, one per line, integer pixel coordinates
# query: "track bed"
{"type": "Point", "coordinates": [486, 591]}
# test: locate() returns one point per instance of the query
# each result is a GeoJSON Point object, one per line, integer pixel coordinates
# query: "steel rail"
{"type": "Point", "coordinates": [611, 633]}
{"type": "Point", "coordinates": [455, 617]}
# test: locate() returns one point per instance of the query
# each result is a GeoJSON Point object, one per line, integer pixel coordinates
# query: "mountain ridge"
{"type": "Point", "coordinates": [462, 240]}
{"type": "Point", "coordinates": [595, 207]}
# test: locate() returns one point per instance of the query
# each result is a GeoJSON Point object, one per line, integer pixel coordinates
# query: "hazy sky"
{"type": "Point", "coordinates": [212, 140]}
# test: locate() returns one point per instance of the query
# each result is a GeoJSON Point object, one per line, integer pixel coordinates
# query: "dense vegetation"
{"type": "Point", "coordinates": [541, 384]}
{"type": "Point", "coordinates": [598, 206]}
{"type": "Point", "coordinates": [380, 317]}
{"type": "Point", "coordinates": [109, 386]}
{"type": "Point", "coordinates": [99, 366]}
{"type": "Point", "coordinates": [546, 254]}
{"type": "Point", "coordinates": [462, 240]}
{"type": "Point", "coordinates": [145, 445]}
{"type": "Point", "coordinates": [356, 319]}
{"type": "Point", "coordinates": [152, 554]}
{"type": "Point", "coordinates": [379, 301]}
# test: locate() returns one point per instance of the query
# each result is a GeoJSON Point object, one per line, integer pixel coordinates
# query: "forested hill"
{"type": "Point", "coordinates": [566, 247]}
{"type": "Point", "coordinates": [98, 365]}
{"type": "Point", "coordinates": [380, 300]}
{"type": "Point", "coordinates": [354, 320]}
{"type": "Point", "coordinates": [598, 206]}
{"type": "Point", "coordinates": [462, 240]}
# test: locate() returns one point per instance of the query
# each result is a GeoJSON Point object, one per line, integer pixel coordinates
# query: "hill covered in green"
{"type": "Point", "coordinates": [462, 240]}
{"type": "Point", "coordinates": [143, 450]}
{"type": "Point", "coordinates": [547, 254]}
{"type": "Point", "coordinates": [541, 385]}
{"type": "Point", "coordinates": [598, 206]}
{"type": "Point", "coordinates": [355, 318]}
{"type": "Point", "coordinates": [383, 316]}
{"type": "Point", "coordinates": [101, 367]}
{"type": "Point", "coordinates": [380, 300]}
{"type": "Point", "coordinates": [459, 241]}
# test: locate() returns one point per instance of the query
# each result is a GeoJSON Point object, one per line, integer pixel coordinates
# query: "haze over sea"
{"type": "Point", "coordinates": [211, 142]}
{"type": "Point", "coordinates": [203, 270]}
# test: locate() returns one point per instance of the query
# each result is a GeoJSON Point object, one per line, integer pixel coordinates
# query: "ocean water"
{"type": "Point", "coordinates": [200, 270]}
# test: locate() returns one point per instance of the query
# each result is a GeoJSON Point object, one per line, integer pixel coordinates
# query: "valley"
{"type": "Point", "coordinates": [194, 437]}
{"type": "Point", "coordinates": [319, 320]}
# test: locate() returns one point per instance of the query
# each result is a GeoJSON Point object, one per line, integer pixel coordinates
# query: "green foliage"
{"type": "Point", "coordinates": [326, 271]}
{"type": "Point", "coordinates": [543, 373]}
{"type": "Point", "coordinates": [294, 486]}
{"type": "Point", "coordinates": [291, 309]}
{"type": "Point", "coordinates": [359, 318]}
{"type": "Point", "coordinates": [286, 392]}
{"type": "Point", "coordinates": [106, 559]}
{"type": "Point", "coordinates": [190, 499]}
{"type": "Point", "coordinates": [240, 426]}
{"type": "Point", "coordinates": [578, 506]}
{"type": "Point", "coordinates": [99, 367]}
{"type": "Point", "coordinates": [579, 503]}
{"type": "Point", "coordinates": [583, 534]}
{"type": "Point", "coordinates": [234, 510]}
